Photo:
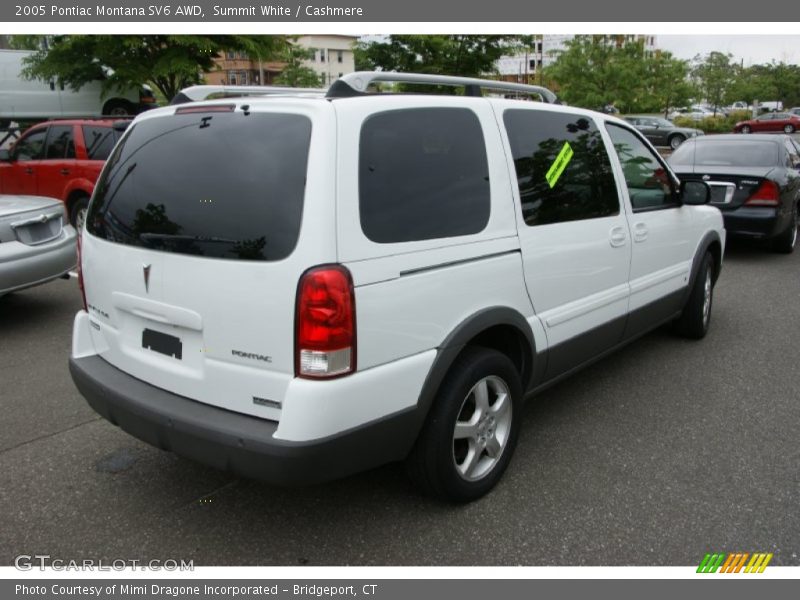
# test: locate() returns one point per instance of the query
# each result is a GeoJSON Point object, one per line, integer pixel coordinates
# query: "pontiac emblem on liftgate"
{"type": "Point", "coordinates": [146, 272]}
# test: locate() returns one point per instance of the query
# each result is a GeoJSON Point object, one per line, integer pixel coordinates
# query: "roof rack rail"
{"type": "Point", "coordinates": [356, 84]}
{"type": "Point", "coordinates": [196, 93]}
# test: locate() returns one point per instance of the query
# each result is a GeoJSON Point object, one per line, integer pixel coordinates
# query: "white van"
{"type": "Point", "coordinates": [22, 99]}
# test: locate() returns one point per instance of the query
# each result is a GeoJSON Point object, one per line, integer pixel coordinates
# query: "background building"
{"type": "Point", "coordinates": [333, 55]}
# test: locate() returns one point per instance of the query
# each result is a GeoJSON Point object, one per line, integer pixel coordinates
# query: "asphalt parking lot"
{"type": "Point", "coordinates": [654, 456]}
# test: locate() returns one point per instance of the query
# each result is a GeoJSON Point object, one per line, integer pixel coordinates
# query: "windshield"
{"type": "Point", "coordinates": [745, 153]}
{"type": "Point", "coordinates": [221, 185]}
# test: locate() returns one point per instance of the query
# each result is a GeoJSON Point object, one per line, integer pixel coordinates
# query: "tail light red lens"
{"type": "Point", "coordinates": [80, 273]}
{"type": "Point", "coordinates": [325, 319]}
{"type": "Point", "coordinates": [767, 194]}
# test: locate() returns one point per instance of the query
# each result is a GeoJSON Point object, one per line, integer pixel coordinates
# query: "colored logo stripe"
{"type": "Point", "coordinates": [559, 164]}
{"type": "Point", "coordinates": [734, 562]}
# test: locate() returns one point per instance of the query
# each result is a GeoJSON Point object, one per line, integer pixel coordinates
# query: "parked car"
{"type": "Point", "coordinates": [23, 99]}
{"type": "Point", "coordinates": [754, 181]}
{"type": "Point", "coordinates": [35, 244]}
{"type": "Point", "coordinates": [785, 122]}
{"type": "Point", "coordinates": [771, 105]}
{"type": "Point", "coordinates": [795, 110]}
{"type": "Point", "coordinates": [739, 106]}
{"type": "Point", "coordinates": [661, 132]}
{"type": "Point", "coordinates": [695, 113]}
{"type": "Point", "coordinates": [361, 279]}
{"type": "Point", "coordinates": [59, 159]}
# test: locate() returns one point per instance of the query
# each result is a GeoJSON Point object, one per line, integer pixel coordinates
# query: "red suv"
{"type": "Point", "coordinates": [60, 159]}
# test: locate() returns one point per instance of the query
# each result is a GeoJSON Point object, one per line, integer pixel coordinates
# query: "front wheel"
{"type": "Point", "coordinates": [788, 128]}
{"type": "Point", "coordinates": [746, 129]}
{"type": "Point", "coordinates": [472, 429]}
{"type": "Point", "coordinates": [118, 108]}
{"type": "Point", "coordinates": [696, 316]}
{"type": "Point", "coordinates": [675, 141]}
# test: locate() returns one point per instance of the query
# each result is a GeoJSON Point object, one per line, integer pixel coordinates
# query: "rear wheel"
{"type": "Point", "coordinates": [471, 431]}
{"type": "Point", "coordinates": [77, 212]}
{"type": "Point", "coordinates": [676, 140]}
{"type": "Point", "coordinates": [746, 129]}
{"type": "Point", "coordinates": [788, 128]}
{"type": "Point", "coordinates": [118, 108]}
{"type": "Point", "coordinates": [787, 240]}
{"type": "Point", "coordinates": [696, 316]}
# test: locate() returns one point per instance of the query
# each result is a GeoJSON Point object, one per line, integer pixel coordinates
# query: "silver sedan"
{"type": "Point", "coordinates": [35, 244]}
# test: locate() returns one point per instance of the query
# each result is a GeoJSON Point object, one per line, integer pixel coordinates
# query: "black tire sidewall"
{"type": "Point", "coordinates": [472, 366]}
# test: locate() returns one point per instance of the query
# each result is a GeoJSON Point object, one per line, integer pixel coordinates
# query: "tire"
{"type": "Point", "coordinates": [77, 212]}
{"type": "Point", "coordinates": [476, 414]}
{"type": "Point", "coordinates": [788, 128]}
{"type": "Point", "coordinates": [696, 316]}
{"type": "Point", "coordinates": [746, 129]}
{"type": "Point", "coordinates": [785, 242]}
{"type": "Point", "coordinates": [676, 140]}
{"type": "Point", "coordinates": [118, 108]}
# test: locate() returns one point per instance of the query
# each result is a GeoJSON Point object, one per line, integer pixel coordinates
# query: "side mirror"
{"type": "Point", "coordinates": [5, 155]}
{"type": "Point", "coordinates": [695, 193]}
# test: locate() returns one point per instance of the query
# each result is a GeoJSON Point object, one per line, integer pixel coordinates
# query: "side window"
{"type": "Point", "coordinates": [31, 146]}
{"type": "Point", "coordinates": [563, 170]}
{"type": "Point", "coordinates": [60, 143]}
{"type": "Point", "coordinates": [99, 141]}
{"type": "Point", "coordinates": [423, 174]}
{"type": "Point", "coordinates": [649, 185]}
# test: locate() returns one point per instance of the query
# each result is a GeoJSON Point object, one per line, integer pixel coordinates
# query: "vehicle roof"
{"type": "Point", "coordinates": [738, 138]}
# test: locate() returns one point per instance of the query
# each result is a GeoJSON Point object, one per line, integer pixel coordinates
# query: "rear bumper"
{"type": "Point", "coordinates": [755, 221]}
{"type": "Point", "coordinates": [23, 266]}
{"type": "Point", "coordinates": [233, 441]}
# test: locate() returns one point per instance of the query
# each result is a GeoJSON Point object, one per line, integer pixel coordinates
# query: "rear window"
{"type": "Point", "coordinates": [99, 141]}
{"type": "Point", "coordinates": [221, 185]}
{"type": "Point", "coordinates": [727, 153]}
{"type": "Point", "coordinates": [423, 174]}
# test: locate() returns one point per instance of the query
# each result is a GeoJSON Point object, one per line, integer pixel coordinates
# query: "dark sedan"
{"type": "Point", "coordinates": [662, 132]}
{"type": "Point", "coordinates": [754, 182]}
{"type": "Point", "coordinates": [777, 121]}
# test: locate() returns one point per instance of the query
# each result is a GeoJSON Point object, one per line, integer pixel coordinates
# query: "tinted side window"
{"type": "Point", "coordinates": [423, 174]}
{"type": "Point", "coordinates": [60, 143]}
{"type": "Point", "coordinates": [563, 170]}
{"type": "Point", "coordinates": [99, 141]}
{"type": "Point", "coordinates": [31, 146]}
{"type": "Point", "coordinates": [648, 182]}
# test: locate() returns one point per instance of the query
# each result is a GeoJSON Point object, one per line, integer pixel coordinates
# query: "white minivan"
{"type": "Point", "coordinates": [34, 99]}
{"type": "Point", "coordinates": [299, 288]}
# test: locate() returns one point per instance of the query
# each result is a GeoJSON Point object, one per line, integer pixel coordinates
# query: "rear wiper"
{"type": "Point", "coordinates": [185, 238]}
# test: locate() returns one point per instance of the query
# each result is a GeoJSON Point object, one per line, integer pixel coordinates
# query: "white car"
{"type": "Point", "coordinates": [35, 244]}
{"type": "Point", "coordinates": [695, 113]}
{"type": "Point", "coordinates": [296, 289]}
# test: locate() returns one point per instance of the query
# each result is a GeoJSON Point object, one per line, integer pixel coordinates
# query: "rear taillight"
{"type": "Point", "coordinates": [80, 273]}
{"type": "Point", "coordinates": [767, 194]}
{"type": "Point", "coordinates": [325, 340]}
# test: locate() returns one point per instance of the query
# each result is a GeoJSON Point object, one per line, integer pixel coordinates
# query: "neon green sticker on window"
{"type": "Point", "coordinates": [559, 164]}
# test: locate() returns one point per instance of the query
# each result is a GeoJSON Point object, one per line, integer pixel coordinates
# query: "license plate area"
{"type": "Point", "coordinates": [168, 345]}
{"type": "Point", "coordinates": [721, 192]}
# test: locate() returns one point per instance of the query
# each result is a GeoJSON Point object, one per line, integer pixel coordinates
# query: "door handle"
{"type": "Point", "coordinates": [64, 171]}
{"type": "Point", "coordinates": [617, 237]}
{"type": "Point", "coordinates": [28, 170]}
{"type": "Point", "coordinates": [640, 232]}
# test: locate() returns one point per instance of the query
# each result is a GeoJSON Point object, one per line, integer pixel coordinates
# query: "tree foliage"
{"type": "Point", "coordinates": [714, 74]}
{"type": "Point", "coordinates": [296, 73]}
{"type": "Point", "coordinates": [464, 55]}
{"type": "Point", "coordinates": [169, 62]}
{"type": "Point", "coordinates": [595, 70]}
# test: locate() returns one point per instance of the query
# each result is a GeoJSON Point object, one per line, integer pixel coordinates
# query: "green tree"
{"type": "Point", "coordinates": [594, 70]}
{"type": "Point", "coordinates": [667, 83]}
{"type": "Point", "coordinates": [714, 74]}
{"type": "Point", "coordinates": [169, 62]}
{"type": "Point", "coordinates": [296, 73]}
{"type": "Point", "coordinates": [464, 55]}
